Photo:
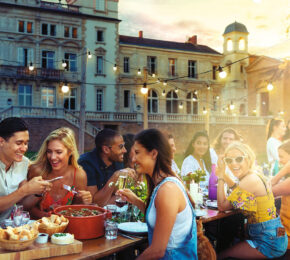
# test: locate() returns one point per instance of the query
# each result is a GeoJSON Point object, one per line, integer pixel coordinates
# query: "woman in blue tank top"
{"type": "Point", "coordinates": [169, 210]}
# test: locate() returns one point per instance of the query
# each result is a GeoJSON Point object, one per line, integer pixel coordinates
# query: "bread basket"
{"type": "Point", "coordinates": [16, 245]}
{"type": "Point", "coordinates": [54, 228]}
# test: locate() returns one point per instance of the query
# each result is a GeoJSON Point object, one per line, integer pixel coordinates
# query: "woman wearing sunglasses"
{"type": "Point", "coordinates": [253, 197]}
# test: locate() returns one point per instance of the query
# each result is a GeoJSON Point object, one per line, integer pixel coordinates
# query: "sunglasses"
{"type": "Point", "coordinates": [238, 159]}
{"type": "Point", "coordinates": [121, 146]}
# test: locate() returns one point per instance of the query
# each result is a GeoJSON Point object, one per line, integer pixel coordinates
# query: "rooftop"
{"type": "Point", "coordinates": [236, 27]}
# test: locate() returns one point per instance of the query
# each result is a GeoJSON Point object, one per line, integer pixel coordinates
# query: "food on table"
{"type": "Point", "coordinates": [62, 238]}
{"type": "Point", "coordinates": [82, 212]}
{"type": "Point", "coordinates": [52, 224]}
{"type": "Point", "coordinates": [21, 233]}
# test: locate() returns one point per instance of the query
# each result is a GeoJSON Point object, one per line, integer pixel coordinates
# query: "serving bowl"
{"type": "Point", "coordinates": [85, 227]}
{"type": "Point", "coordinates": [16, 245]}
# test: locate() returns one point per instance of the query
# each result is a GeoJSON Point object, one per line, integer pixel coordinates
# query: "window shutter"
{"type": "Point", "coordinates": [30, 56]}
{"type": "Point", "coordinates": [20, 57]}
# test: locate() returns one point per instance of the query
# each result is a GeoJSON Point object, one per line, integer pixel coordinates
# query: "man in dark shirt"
{"type": "Point", "coordinates": [102, 165]}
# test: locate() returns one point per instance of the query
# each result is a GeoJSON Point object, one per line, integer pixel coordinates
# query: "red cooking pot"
{"type": "Point", "coordinates": [86, 227]}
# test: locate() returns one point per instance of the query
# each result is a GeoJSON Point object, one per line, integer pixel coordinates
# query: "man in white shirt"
{"type": "Point", "coordinates": [14, 138]}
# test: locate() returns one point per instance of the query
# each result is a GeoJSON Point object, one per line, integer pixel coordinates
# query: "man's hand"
{"type": "Point", "coordinates": [35, 186]}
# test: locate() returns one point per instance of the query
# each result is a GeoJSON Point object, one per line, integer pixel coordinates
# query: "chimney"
{"type": "Point", "coordinates": [192, 40]}
{"type": "Point", "coordinates": [140, 34]}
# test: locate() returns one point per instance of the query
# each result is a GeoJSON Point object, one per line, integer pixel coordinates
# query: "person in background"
{"type": "Point", "coordinates": [103, 164]}
{"type": "Point", "coordinates": [287, 133]}
{"type": "Point", "coordinates": [57, 157]}
{"type": "Point", "coordinates": [275, 131]}
{"type": "Point", "coordinates": [254, 198]}
{"type": "Point", "coordinates": [171, 142]}
{"type": "Point", "coordinates": [128, 156]}
{"type": "Point", "coordinates": [197, 157]}
{"type": "Point", "coordinates": [281, 184]}
{"type": "Point", "coordinates": [170, 215]}
{"type": "Point", "coordinates": [14, 187]}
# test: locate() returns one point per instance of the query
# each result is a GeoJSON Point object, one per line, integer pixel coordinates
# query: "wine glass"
{"type": "Point", "coordinates": [135, 211]}
{"type": "Point", "coordinates": [25, 217]}
{"type": "Point", "coordinates": [121, 185]}
{"type": "Point", "coordinates": [17, 218]}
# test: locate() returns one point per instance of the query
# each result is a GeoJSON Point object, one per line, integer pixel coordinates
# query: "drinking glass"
{"type": "Point", "coordinates": [25, 217]}
{"type": "Point", "coordinates": [135, 211]}
{"type": "Point", "coordinates": [17, 218]}
{"type": "Point", "coordinates": [121, 185]}
{"type": "Point", "coordinates": [111, 230]}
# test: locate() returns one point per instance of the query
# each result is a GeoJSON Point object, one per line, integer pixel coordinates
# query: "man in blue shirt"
{"type": "Point", "coordinates": [102, 165]}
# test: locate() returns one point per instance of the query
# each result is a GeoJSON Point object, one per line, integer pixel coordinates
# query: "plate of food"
{"type": "Point", "coordinates": [211, 204]}
{"type": "Point", "coordinates": [133, 227]}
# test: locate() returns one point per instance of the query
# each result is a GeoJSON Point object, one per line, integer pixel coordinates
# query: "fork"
{"type": "Point", "coordinates": [66, 187]}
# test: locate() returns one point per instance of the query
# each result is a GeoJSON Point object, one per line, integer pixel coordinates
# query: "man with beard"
{"type": "Point", "coordinates": [103, 164]}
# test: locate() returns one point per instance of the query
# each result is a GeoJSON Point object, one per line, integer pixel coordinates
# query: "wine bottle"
{"type": "Point", "coordinates": [212, 184]}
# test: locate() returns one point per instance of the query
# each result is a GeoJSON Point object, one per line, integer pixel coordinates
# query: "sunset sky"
{"type": "Point", "coordinates": [268, 22]}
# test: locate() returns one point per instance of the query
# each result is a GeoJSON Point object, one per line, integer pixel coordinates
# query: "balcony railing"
{"type": "Point", "coordinates": [61, 7]}
{"type": "Point", "coordinates": [20, 72]}
{"type": "Point", "coordinates": [73, 117]}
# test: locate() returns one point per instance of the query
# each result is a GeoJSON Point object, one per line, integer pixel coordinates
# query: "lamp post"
{"type": "Point", "coordinates": [144, 91]}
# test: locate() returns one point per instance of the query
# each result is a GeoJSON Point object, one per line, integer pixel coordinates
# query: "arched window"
{"type": "Point", "coordinates": [242, 44]}
{"type": "Point", "coordinates": [191, 104]}
{"type": "Point", "coordinates": [229, 45]}
{"type": "Point", "coordinates": [171, 102]}
{"type": "Point", "coordinates": [152, 101]}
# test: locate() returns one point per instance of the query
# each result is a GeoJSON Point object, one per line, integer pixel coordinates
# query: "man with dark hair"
{"type": "Point", "coordinates": [102, 165]}
{"type": "Point", "coordinates": [14, 138]}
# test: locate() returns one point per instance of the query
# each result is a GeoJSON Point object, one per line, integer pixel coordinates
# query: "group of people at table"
{"type": "Point", "coordinates": [169, 209]}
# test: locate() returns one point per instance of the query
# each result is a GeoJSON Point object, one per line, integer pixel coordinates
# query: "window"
{"type": "Point", "coordinates": [151, 64]}
{"type": "Point", "coordinates": [25, 27]}
{"type": "Point", "coordinates": [242, 44]}
{"type": "Point", "coordinates": [126, 98]}
{"type": "Point", "coordinates": [100, 35]}
{"type": "Point", "coordinates": [69, 101]}
{"type": "Point", "coordinates": [100, 65]}
{"type": "Point", "coordinates": [25, 95]}
{"type": "Point", "coordinates": [229, 45]}
{"type": "Point", "coordinates": [242, 69]}
{"type": "Point", "coordinates": [48, 97]}
{"type": "Point", "coordinates": [192, 72]}
{"type": "Point", "coordinates": [172, 67]}
{"type": "Point", "coordinates": [152, 101]}
{"type": "Point", "coordinates": [25, 56]}
{"type": "Point", "coordinates": [171, 102]}
{"type": "Point", "coordinates": [214, 68]}
{"type": "Point", "coordinates": [100, 5]}
{"type": "Point", "coordinates": [99, 99]}
{"type": "Point", "coordinates": [126, 65]}
{"type": "Point", "coordinates": [191, 104]}
{"type": "Point", "coordinates": [48, 29]}
{"type": "Point", "coordinates": [71, 61]}
{"type": "Point", "coordinates": [47, 60]}
{"type": "Point", "coordinates": [70, 32]}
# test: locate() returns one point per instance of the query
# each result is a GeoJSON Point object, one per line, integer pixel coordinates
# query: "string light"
{"type": "Point", "coordinates": [204, 111]}
{"type": "Point", "coordinates": [139, 72]}
{"type": "Point", "coordinates": [144, 89]}
{"type": "Point", "coordinates": [65, 88]}
{"type": "Point", "coordinates": [270, 87]}
{"type": "Point", "coordinates": [176, 90]}
{"type": "Point", "coordinates": [208, 87]}
{"type": "Point", "coordinates": [63, 64]}
{"type": "Point", "coordinates": [181, 105]}
{"type": "Point", "coordinates": [31, 67]}
{"type": "Point", "coordinates": [89, 55]}
{"type": "Point", "coordinates": [163, 92]}
{"type": "Point", "coordinates": [232, 106]}
{"type": "Point", "coordinates": [194, 99]}
{"type": "Point", "coordinates": [153, 75]}
{"type": "Point", "coordinates": [164, 83]}
{"type": "Point", "coordinates": [217, 97]}
{"type": "Point", "coordinates": [115, 67]}
{"type": "Point", "coordinates": [222, 73]}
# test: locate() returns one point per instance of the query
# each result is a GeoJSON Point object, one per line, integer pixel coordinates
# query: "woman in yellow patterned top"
{"type": "Point", "coordinates": [281, 184]}
{"type": "Point", "coordinates": [254, 198]}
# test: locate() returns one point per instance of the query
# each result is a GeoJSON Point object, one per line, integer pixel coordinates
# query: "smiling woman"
{"type": "Point", "coordinates": [57, 159]}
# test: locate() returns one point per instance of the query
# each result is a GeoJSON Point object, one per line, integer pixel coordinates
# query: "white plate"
{"type": "Point", "coordinates": [119, 210]}
{"type": "Point", "coordinates": [200, 212]}
{"type": "Point", "coordinates": [211, 203]}
{"type": "Point", "coordinates": [133, 227]}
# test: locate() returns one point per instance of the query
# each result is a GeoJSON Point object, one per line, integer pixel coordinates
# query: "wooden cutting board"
{"type": "Point", "coordinates": [37, 251]}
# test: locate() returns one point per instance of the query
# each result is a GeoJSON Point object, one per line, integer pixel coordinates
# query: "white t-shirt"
{"type": "Point", "coordinates": [272, 149]}
{"type": "Point", "coordinates": [190, 164]}
{"type": "Point", "coordinates": [10, 180]}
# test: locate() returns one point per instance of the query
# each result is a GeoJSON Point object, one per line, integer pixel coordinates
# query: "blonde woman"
{"type": "Point", "coordinates": [58, 157]}
{"type": "Point", "coordinates": [254, 198]}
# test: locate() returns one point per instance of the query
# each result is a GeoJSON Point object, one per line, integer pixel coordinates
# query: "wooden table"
{"type": "Point", "coordinates": [101, 247]}
{"type": "Point", "coordinates": [214, 214]}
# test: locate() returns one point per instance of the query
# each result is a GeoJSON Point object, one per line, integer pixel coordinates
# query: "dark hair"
{"type": "Point", "coordinates": [105, 137]}
{"type": "Point", "coordinates": [153, 139]}
{"type": "Point", "coordinates": [218, 141]}
{"type": "Point", "coordinates": [11, 125]}
{"type": "Point", "coordinates": [285, 146]}
{"type": "Point", "coordinates": [129, 141]}
{"type": "Point", "coordinates": [270, 127]}
{"type": "Point", "coordinates": [190, 149]}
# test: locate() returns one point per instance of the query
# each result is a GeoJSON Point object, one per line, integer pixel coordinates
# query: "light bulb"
{"type": "Point", "coordinates": [64, 88]}
{"type": "Point", "coordinates": [181, 105]}
{"type": "Point", "coordinates": [144, 89]}
{"type": "Point", "coordinates": [163, 93]}
{"type": "Point", "coordinates": [222, 73]}
{"type": "Point", "coordinates": [204, 111]}
{"type": "Point", "coordinates": [115, 67]}
{"type": "Point", "coordinates": [89, 55]}
{"type": "Point", "coordinates": [153, 75]}
{"type": "Point", "coordinates": [164, 83]}
{"type": "Point", "coordinates": [63, 64]}
{"type": "Point", "coordinates": [31, 67]}
{"type": "Point", "coordinates": [232, 106]}
{"type": "Point", "coordinates": [139, 72]}
{"type": "Point", "coordinates": [176, 90]}
{"type": "Point", "coordinates": [270, 87]}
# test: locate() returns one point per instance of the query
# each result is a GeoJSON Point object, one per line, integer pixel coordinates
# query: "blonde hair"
{"type": "Point", "coordinates": [67, 137]}
{"type": "Point", "coordinates": [245, 150]}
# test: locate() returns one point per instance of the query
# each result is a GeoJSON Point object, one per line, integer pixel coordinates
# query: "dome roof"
{"type": "Point", "coordinates": [236, 27]}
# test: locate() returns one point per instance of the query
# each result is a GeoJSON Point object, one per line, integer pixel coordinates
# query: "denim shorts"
{"type": "Point", "coordinates": [268, 238]}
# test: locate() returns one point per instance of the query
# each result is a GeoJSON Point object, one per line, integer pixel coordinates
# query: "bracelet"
{"type": "Point", "coordinates": [221, 179]}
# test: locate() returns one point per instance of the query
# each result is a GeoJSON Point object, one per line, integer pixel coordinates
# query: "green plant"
{"type": "Point", "coordinates": [197, 176]}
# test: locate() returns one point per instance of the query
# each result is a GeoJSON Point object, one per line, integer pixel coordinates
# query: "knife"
{"type": "Point", "coordinates": [123, 235]}
{"type": "Point", "coordinates": [54, 179]}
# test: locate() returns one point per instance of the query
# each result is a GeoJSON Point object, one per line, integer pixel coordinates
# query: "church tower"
{"type": "Point", "coordinates": [235, 51]}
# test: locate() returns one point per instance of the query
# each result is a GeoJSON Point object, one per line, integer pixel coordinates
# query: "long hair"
{"type": "Point", "coordinates": [129, 141]}
{"type": "Point", "coordinates": [153, 139]}
{"type": "Point", "coordinates": [190, 150]}
{"type": "Point", "coordinates": [271, 124]}
{"type": "Point", "coordinates": [218, 141]}
{"type": "Point", "coordinates": [66, 136]}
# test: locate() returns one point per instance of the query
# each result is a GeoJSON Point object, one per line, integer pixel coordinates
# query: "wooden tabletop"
{"type": "Point", "coordinates": [214, 214]}
{"type": "Point", "coordinates": [101, 247]}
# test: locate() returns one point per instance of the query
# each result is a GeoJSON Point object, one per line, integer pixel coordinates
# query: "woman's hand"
{"type": "Point", "coordinates": [85, 196]}
{"type": "Point", "coordinates": [128, 195]}
{"type": "Point", "coordinates": [221, 167]}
